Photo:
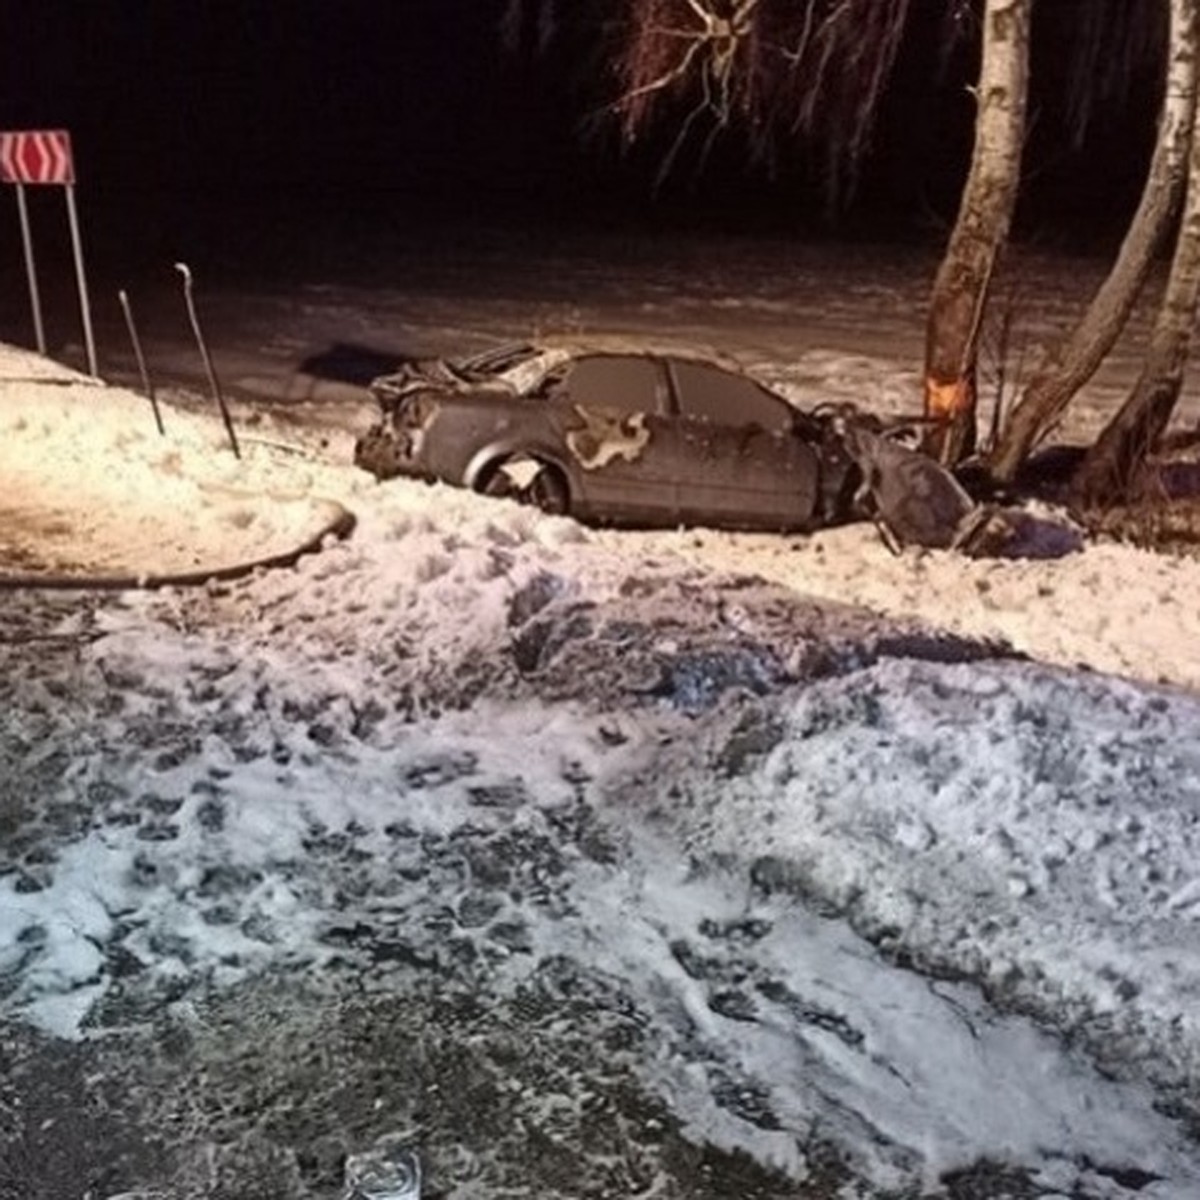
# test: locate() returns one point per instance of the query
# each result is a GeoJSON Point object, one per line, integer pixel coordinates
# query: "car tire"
{"type": "Point", "coordinates": [547, 489]}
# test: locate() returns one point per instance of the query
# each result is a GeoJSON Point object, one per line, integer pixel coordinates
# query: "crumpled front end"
{"type": "Point", "coordinates": [384, 452]}
{"type": "Point", "coordinates": [394, 446]}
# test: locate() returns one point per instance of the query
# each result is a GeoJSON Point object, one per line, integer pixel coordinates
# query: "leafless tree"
{"type": "Point", "coordinates": [1069, 364]}
{"type": "Point", "coordinates": [775, 69]}
{"type": "Point", "coordinates": [960, 290]}
{"type": "Point", "coordinates": [1110, 471]}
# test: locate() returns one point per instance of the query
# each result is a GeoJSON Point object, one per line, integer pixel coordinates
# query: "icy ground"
{"type": "Point", "coordinates": [592, 864]}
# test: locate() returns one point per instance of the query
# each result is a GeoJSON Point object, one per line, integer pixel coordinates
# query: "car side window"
{"type": "Point", "coordinates": [726, 399]}
{"type": "Point", "coordinates": [625, 382]}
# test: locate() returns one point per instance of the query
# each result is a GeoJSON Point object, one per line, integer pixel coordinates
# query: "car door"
{"type": "Point", "coordinates": [611, 410]}
{"type": "Point", "coordinates": [741, 461]}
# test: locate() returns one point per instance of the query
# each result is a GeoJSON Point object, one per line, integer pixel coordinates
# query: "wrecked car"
{"type": "Point", "coordinates": [631, 436]}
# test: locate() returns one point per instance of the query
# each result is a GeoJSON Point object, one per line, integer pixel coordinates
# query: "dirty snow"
{"type": "Point", "coordinates": [873, 862]}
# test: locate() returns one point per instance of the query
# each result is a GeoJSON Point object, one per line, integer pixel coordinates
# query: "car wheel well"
{"type": "Point", "coordinates": [547, 486]}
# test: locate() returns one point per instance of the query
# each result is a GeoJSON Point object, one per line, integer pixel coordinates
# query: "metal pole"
{"type": "Point", "coordinates": [213, 382]}
{"type": "Point", "coordinates": [147, 386]}
{"type": "Point", "coordinates": [85, 307]}
{"type": "Point", "coordinates": [31, 270]}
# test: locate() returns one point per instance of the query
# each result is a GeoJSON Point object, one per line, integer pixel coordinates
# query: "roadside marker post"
{"type": "Point", "coordinates": [213, 382]}
{"type": "Point", "coordinates": [38, 157]}
{"type": "Point", "coordinates": [147, 386]}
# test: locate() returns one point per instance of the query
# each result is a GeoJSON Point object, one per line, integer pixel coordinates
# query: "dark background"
{"type": "Point", "coordinates": [236, 122]}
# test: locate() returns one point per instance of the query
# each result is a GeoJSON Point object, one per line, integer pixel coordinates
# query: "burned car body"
{"type": "Point", "coordinates": [632, 436]}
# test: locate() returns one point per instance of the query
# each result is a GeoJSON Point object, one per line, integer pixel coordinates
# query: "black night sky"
{"type": "Point", "coordinates": [192, 114]}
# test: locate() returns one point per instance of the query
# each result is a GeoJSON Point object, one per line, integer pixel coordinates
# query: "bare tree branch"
{"type": "Point", "coordinates": [774, 68]}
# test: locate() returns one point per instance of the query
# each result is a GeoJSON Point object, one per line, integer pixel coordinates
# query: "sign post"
{"type": "Point", "coordinates": [85, 308]}
{"type": "Point", "coordinates": [31, 270]}
{"type": "Point", "coordinates": [44, 157]}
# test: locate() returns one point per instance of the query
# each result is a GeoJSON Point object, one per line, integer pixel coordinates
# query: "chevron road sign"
{"type": "Point", "coordinates": [43, 156]}
{"type": "Point", "coordinates": [36, 156]}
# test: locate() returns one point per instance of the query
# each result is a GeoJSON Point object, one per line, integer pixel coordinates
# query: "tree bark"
{"type": "Point", "coordinates": [1071, 363]}
{"type": "Point", "coordinates": [961, 287]}
{"type": "Point", "coordinates": [1109, 471]}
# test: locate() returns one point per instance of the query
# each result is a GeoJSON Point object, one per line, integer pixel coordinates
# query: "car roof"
{"type": "Point", "coordinates": [579, 345]}
{"type": "Point", "coordinates": [519, 366]}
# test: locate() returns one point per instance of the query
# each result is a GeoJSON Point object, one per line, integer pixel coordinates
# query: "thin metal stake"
{"type": "Point", "coordinates": [85, 307]}
{"type": "Point", "coordinates": [147, 386]}
{"type": "Point", "coordinates": [31, 270]}
{"type": "Point", "coordinates": [186, 272]}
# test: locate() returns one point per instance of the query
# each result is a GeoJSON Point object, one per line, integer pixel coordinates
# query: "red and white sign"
{"type": "Point", "coordinates": [36, 156]}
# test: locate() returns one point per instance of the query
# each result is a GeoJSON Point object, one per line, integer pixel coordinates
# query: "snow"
{"type": "Point", "coordinates": [899, 853]}
{"type": "Point", "coordinates": [178, 506]}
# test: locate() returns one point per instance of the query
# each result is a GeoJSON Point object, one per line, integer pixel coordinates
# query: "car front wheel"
{"type": "Point", "coordinates": [529, 481]}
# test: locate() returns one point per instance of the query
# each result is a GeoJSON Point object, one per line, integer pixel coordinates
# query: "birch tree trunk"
{"type": "Point", "coordinates": [1109, 472]}
{"type": "Point", "coordinates": [1070, 364]}
{"type": "Point", "coordinates": [961, 286]}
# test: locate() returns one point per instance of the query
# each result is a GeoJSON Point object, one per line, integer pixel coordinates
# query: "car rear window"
{"type": "Point", "coordinates": [627, 383]}
{"type": "Point", "coordinates": [727, 399]}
